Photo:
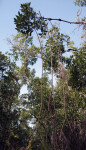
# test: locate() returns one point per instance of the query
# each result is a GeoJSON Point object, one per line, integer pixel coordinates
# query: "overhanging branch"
{"type": "Point", "coordinates": [51, 19]}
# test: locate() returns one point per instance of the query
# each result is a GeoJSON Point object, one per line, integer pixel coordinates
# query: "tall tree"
{"type": "Point", "coordinates": [12, 129]}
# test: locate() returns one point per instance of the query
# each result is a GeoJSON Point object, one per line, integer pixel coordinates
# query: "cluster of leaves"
{"type": "Point", "coordinates": [80, 2]}
{"type": "Point", "coordinates": [78, 70]}
{"type": "Point", "coordinates": [28, 20]}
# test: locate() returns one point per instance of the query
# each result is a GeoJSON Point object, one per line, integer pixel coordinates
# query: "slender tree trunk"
{"type": "Point", "coordinates": [42, 72]}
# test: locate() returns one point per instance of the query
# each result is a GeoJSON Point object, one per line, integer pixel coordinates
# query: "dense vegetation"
{"type": "Point", "coordinates": [48, 117]}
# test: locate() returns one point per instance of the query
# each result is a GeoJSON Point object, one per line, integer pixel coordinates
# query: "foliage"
{"type": "Point", "coordinates": [54, 47]}
{"type": "Point", "coordinates": [28, 20]}
{"type": "Point", "coordinates": [78, 70]}
{"type": "Point", "coordinates": [80, 2]}
{"type": "Point", "coordinates": [10, 128]}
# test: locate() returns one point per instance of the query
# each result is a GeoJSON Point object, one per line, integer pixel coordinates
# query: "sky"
{"type": "Point", "coordinates": [64, 9]}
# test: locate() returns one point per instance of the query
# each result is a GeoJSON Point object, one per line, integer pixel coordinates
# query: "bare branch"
{"type": "Point", "coordinates": [70, 22]}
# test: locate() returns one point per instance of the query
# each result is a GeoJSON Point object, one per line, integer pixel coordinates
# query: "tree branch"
{"type": "Point", "coordinates": [79, 22]}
